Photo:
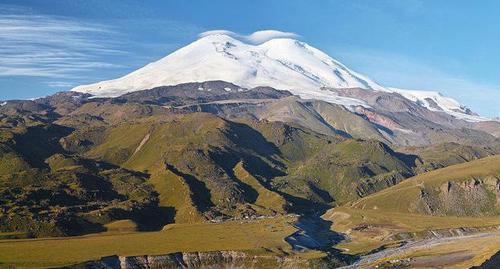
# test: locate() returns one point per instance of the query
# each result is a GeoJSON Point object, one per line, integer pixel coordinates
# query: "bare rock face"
{"type": "Point", "coordinates": [474, 197]}
{"type": "Point", "coordinates": [207, 260]}
{"type": "Point", "coordinates": [200, 92]}
{"type": "Point", "coordinates": [377, 118]}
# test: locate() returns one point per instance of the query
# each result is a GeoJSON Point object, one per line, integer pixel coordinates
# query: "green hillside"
{"type": "Point", "coordinates": [204, 150]}
{"type": "Point", "coordinates": [469, 189]}
{"type": "Point", "coordinates": [195, 167]}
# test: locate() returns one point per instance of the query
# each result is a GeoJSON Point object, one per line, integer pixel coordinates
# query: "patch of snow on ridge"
{"type": "Point", "coordinates": [435, 101]}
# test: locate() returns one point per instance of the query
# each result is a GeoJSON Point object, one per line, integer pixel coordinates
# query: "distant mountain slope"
{"type": "Point", "coordinates": [386, 116]}
{"type": "Point", "coordinates": [491, 127]}
{"type": "Point", "coordinates": [391, 118]}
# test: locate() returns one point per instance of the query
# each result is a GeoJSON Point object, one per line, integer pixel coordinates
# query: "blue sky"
{"type": "Point", "coordinates": [449, 46]}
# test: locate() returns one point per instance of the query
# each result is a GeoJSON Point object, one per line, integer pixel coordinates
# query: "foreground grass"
{"type": "Point", "coordinates": [233, 235]}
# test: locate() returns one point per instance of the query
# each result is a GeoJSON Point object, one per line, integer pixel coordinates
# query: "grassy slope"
{"type": "Point", "coordinates": [403, 196]}
{"type": "Point", "coordinates": [201, 148]}
{"type": "Point", "coordinates": [359, 167]}
{"type": "Point", "coordinates": [446, 154]}
{"type": "Point", "coordinates": [372, 221]}
{"type": "Point", "coordinates": [10, 161]}
{"type": "Point", "coordinates": [174, 192]}
{"type": "Point", "coordinates": [294, 161]}
{"type": "Point", "coordinates": [266, 199]}
{"type": "Point", "coordinates": [330, 170]}
{"type": "Point", "coordinates": [45, 193]}
{"type": "Point", "coordinates": [234, 235]}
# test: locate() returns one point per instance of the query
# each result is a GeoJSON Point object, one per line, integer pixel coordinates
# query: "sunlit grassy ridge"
{"type": "Point", "coordinates": [200, 148]}
{"type": "Point", "coordinates": [174, 192]}
{"type": "Point", "coordinates": [406, 196]}
{"type": "Point", "coordinates": [204, 150]}
{"type": "Point", "coordinates": [265, 199]}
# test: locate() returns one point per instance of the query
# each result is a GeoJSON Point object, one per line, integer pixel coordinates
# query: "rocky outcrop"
{"type": "Point", "coordinates": [445, 233]}
{"type": "Point", "coordinates": [216, 259]}
{"type": "Point", "coordinates": [474, 197]}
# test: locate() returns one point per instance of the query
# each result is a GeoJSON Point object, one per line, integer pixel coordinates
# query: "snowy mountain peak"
{"type": "Point", "coordinates": [283, 63]}
{"type": "Point", "coordinates": [265, 58]}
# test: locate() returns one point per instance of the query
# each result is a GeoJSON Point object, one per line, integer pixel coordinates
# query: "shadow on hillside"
{"type": "Point", "coordinates": [201, 196]}
{"type": "Point", "coordinates": [227, 160]}
{"type": "Point", "coordinates": [153, 218]}
{"type": "Point", "coordinates": [40, 142]}
{"type": "Point", "coordinates": [314, 233]}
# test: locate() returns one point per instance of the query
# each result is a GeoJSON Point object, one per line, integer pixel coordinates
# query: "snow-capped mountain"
{"type": "Point", "coordinates": [281, 63]}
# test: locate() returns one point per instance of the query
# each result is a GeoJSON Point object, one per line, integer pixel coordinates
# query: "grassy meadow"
{"type": "Point", "coordinates": [258, 235]}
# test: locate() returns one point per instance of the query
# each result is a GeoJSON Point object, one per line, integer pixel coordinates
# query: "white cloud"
{"type": "Point", "coordinates": [59, 84]}
{"type": "Point", "coordinates": [258, 37]}
{"type": "Point", "coordinates": [52, 47]}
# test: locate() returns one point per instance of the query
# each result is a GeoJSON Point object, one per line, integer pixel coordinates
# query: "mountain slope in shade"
{"type": "Point", "coordinates": [281, 63]}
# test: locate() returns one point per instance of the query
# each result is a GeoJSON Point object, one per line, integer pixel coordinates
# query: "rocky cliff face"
{"type": "Point", "coordinates": [474, 197]}
{"type": "Point", "coordinates": [216, 259]}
